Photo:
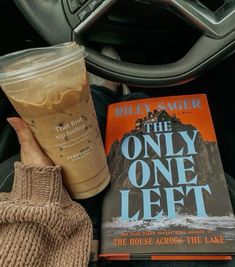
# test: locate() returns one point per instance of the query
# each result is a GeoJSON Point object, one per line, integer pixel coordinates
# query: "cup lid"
{"type": "Point", "coordinates": [30, 63]}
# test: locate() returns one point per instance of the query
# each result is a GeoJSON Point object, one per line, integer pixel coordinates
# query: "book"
{"type": "Point", "coordinates": [168, 197]}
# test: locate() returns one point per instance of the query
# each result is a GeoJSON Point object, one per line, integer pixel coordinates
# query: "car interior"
{"type": "Point", "coordinates": [167, 47]}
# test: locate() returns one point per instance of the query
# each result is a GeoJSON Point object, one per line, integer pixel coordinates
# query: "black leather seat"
{"type": "Point", "coordinates": [7, 173]}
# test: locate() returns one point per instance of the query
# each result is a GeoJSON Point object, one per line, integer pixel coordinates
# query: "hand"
{"type": "Point", "coordinates": [30, 152]}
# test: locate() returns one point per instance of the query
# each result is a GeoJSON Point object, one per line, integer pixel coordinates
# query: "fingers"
{"type": "Point", "coordinates": [31, 152]}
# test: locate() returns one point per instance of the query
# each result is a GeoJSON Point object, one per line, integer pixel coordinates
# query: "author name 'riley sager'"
{"type": "Point", "coordinates": [142, 108]}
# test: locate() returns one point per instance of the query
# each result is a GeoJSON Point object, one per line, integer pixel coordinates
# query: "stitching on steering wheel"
{"type": "Point", "coordinates": [5, 179]}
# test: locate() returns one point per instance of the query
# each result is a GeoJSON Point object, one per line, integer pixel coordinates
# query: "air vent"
{"type": "Point", "coordinates": [213, 5]}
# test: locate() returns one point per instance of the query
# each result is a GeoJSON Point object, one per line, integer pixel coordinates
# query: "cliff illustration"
{"type": "Point", "coordinates": [207, 166]}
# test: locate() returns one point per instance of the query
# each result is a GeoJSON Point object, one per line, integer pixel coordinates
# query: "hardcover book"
{"type": "Point", "coordinates": [168, 197]}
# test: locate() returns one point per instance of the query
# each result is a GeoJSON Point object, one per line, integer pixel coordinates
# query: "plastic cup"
{"type": "Point", "coordinates": [49, 89]}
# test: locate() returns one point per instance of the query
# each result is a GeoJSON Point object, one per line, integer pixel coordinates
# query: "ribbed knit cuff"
{"type": "Point", "coordinates": [39, 184]}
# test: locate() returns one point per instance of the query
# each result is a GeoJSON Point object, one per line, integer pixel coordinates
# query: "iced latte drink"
{"type": "Point", "coordinates": [49, 89]}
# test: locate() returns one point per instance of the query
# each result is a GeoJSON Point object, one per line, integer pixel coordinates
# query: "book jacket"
{"type": "Point", "coordinates": [168, 193]}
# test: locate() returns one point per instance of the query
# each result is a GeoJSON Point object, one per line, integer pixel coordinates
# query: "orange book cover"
{"type": "Point", "coordinates": [167, 181]}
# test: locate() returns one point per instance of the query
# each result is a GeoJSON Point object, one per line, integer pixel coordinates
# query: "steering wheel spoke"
{"type": "Point", "coordinates": [96, 11]}
{"type": "Point", "coordinates": [216, 24]}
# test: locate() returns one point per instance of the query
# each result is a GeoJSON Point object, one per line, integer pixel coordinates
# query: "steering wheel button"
{"type": "Point", "coordinates": [84, 13]}
{"type": "Point", "coordinates": [73, 5]}
{"type": "Point", "coordinates": [94, 4]}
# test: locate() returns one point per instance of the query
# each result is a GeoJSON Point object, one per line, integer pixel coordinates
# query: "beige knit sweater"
{"type": "Point", "coordinates": [39, 224]}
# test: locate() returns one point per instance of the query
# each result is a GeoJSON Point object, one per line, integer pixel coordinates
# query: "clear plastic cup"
{"type": "Point", "coordinates": [49, 89]}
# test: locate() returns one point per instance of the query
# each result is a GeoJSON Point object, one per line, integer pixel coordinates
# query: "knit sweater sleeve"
{"type": "Point", "coordinates": [39, 224]}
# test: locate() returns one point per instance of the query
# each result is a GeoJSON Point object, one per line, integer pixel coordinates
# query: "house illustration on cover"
{"type": "Point", "coordinates": [155, 116]}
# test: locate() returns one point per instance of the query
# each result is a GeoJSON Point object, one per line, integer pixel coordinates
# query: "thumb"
{"type": "Point", "coordinates": [31, 152]}
{"type": "Point", "coordinates": [23, 132]}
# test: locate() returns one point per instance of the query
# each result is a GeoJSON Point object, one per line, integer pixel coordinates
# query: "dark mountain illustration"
{"type": "Point", "coordinates": [207, 166]}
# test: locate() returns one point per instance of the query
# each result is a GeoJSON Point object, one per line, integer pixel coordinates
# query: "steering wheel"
{"type": "Point", "coordinates": [60, 21]}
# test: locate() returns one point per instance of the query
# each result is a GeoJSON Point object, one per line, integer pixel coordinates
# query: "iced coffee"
{"type": "Point", "coordinates": [57, 105]}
